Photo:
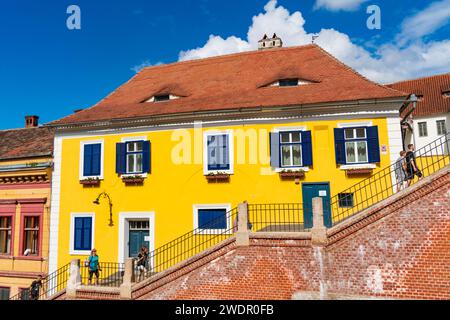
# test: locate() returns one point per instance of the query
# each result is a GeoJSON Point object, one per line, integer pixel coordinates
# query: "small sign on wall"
{"type": "Point", "coordinates": [322, 193]}
{"type": "Point", "coordinates": [384, 149]}
{"type": "Point", "coordinates": [147, 238]}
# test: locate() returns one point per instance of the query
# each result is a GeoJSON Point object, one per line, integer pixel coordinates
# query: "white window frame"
{"type": "Point", "coordinates": [88, 142]}
{"type": "Point", "coordinates": [209, 133]}
{"type": "Point", "coordinates": [355, 142]}
{"type": "Point", "coordinates": [133, 139]}
{"type": "Point", "coordinates": [72, 250]}
{"type": "Point", "coordinates": [360, 165]}
{"type": "Point", "coordinates": [289, 129]}
{"type": "Point", "coordinates": [444, 127]}
{"type": "Point", "coordinates": [196, 207]}
{"type": "Point", "coordinates": [292, 166]}
{"type": "Point", "coordinates": [419, 127]}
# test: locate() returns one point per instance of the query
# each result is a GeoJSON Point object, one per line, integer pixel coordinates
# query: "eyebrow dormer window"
{"type": "Point", "coordinates": [288, 83]}
{"type": "Point", "coordinates": [161, 98]}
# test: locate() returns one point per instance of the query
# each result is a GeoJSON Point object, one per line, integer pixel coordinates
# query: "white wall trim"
{"type": "Point", "coordinates": [284, 129]}
{"type": "Point", "coordinates": [132, 139]}
{"type": "Point", "coordinates": [102, 160]}
{"type": "Point", "coordinates": [55, 206]}
{"type": "Point", "coordinates": [208, 133]}
{"type": "Point", "coordinates": [196, 207]}
{"type": "Point", "coordinates": [355, 124]}
{"type": "Point", "coordinates": [123, 234]}
{"type": "Point", "coordinates": [358, 166]}
{"type": "Point", "coordinates": [74, 215]}
{"type": "Point", "coordinates": [87, 133]}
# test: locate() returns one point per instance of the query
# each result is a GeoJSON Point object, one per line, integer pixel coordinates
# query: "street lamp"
{"type": "Point", "coordinates": [97, 202]}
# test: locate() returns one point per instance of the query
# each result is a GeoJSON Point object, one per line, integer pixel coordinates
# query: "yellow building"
{"type": "Point", "coordinates": [25, 174]}
{"type": "Point", "coordinates": [181, 144]}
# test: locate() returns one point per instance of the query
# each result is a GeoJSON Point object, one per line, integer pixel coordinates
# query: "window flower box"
{"type": "Point", "coordinates": [219, 176]}
{"type": "Point", "coordinates": [133, 179]}
{"type": "Point", "coordinates": [288, 174]}
{"type": "Point", "coordinates": [359, 171]}
{"type": "Point", "coordinates": [90, 182]}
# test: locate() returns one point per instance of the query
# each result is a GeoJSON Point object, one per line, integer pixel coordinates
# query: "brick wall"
{"type": "Point", "coordinates": [399, 248]}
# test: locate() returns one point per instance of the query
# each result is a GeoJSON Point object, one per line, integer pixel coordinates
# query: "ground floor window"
{"type": "Point", "coordinates": [4, 293]}
{"type": "Point", "coordinates": [441, 129]}
{"type": "Point", "coordinates": [24, 293]}
{"type": "Point", "coordinates": [345, 200]}
{"type": "Point", "coordinates": [211, 218]}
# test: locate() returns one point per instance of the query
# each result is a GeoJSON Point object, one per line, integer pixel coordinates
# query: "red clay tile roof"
{"type": "Point", "coordinates": [26, 143]}
{"type": "Point", "coordinates": [432, 89]}
{"type": "Point", "coordinates": [236, 81]}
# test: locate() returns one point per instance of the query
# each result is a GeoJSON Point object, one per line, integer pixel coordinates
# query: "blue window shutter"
{"type": "Point", "coordinates": [121, 158]}
{"type": "Point", "coordinates": [307, 149]}
{"type": "Point", "coordinates": [146, 156]}
{"type": "Point", "coordinates": [275, 149]}
{"type": "Point", "coordinates": [339, 145]}
{"type": "Point", "coordinates": [96, 159]}
{"type": "Point", "coordinates": [87, 160]}
{"type": "Point", "coordinates": [87, 233]}
{"type": "Point", "coordinates": [224, 148]}
{"type": "Point", "coordinates": [78, 233]}
{"type": "Point", "coordinates": [373, 144]}
{"type": "Point", "coordinates": [212, 218]}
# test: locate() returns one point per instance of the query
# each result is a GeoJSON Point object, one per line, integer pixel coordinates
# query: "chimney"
{"type": "Point", "coordinates": [270, 43]}
{"type": "Point", "coordinates": [31, 121]}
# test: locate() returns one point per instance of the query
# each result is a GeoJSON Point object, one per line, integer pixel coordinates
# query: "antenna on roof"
{"type": "Point", "coordinates": [314, 37]}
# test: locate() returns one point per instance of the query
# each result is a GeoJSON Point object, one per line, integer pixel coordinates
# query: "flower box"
{"type": "Point", "coordinates": [218, 177]}
{"type": "Point", "coordinates": [133, 180]}
{"type": "Point", "coordinates": [359, 171]}
{"type": "Point", "coordinates": [90, 182]}
{"type": "Point", "coordinates": [292, 174]}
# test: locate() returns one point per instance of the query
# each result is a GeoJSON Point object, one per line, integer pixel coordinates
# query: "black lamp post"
{"type": "Point", "coordinates": [97, 202]}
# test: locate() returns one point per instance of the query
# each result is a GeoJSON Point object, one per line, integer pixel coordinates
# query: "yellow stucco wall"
{"type": "Point", "coordinates": [171, 190]}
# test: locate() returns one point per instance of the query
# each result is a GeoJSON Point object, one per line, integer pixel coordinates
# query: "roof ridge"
{"type": "Point", "coordinates": [228, 55]}
{"type": "Point", "coordinates": [421, 78]}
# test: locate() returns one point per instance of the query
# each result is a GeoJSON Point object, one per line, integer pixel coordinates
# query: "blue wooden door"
{"type": "Point", "coordinates": [314, 190]}
{"type": "Point", "coordinates": [139, 234]}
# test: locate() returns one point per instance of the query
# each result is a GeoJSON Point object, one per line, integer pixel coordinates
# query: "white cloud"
{"type": "Point", "coordinates": [426, 21]}
{"type": "Point", "coordinates": [390, 62]}
{"type": "Point", "coordinates": [336, 5]}
{"type": "Point", "coordinates": [144, 64]}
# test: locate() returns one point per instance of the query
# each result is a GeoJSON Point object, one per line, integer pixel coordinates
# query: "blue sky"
{"type": "Point", "coordinates": [50, 71]}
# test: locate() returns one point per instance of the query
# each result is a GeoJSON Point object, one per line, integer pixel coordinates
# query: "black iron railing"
{"type": "Point", "coordinates": [388, 181]}
{"type": "Point", "coordinates": [109, 274]}
{"type": "Point", "coordinates": [190, 244]}
{"type": "Point", "coordinates": [51, 285]}
{"type": "Point", "coordinates": [276, 217]}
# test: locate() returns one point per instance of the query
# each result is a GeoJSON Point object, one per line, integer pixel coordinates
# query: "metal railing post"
{"type": "Point", "coordinates": [242, 234]}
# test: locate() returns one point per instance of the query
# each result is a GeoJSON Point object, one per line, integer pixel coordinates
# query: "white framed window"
{"type": "Point", "coordinates": [134, 157]}
{"type": "Point", "coordinates": [423, 130]}
{"type": "Point", "coordinates": [218, 151]}
{"type": "Point", "coordinates": [92, 155]}
{"type": "Point", "coordinates": [356, 149]}
{"type": "Point", "coordinates": [291, 149]}
{"type": "Point", "coordinates": [212, 218]}
{"type": "Point", "coordinates": [441, 128]}
{"type": "Point", "coordinates": [82, 233]}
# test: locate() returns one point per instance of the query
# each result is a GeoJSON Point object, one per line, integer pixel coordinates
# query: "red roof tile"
{"type": "Point", "coordinates": [432, 89]}
{"type": "Point", "coordinates": [236, 81]}
{"type": "Point", "coordinates": [26, 143]}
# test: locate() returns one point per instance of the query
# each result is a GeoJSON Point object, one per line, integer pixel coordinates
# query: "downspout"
{"type": "Point", "coordinates": [413, 99]}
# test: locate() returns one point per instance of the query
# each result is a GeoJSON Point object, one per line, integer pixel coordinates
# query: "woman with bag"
{"type": "Point", "coordinates": [94, 266]}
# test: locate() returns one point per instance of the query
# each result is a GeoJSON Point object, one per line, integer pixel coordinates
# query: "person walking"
{"type": "Point", "coordinates": [142, 261]}
{"type": "Point", "coordinates": [94, 266]}
{"type": "Point", "coordinates": [35, 288]}
{"type": "Point", "coordinates": [411, 165]}
{"type": "Point", "coordinates": [400, 171]}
